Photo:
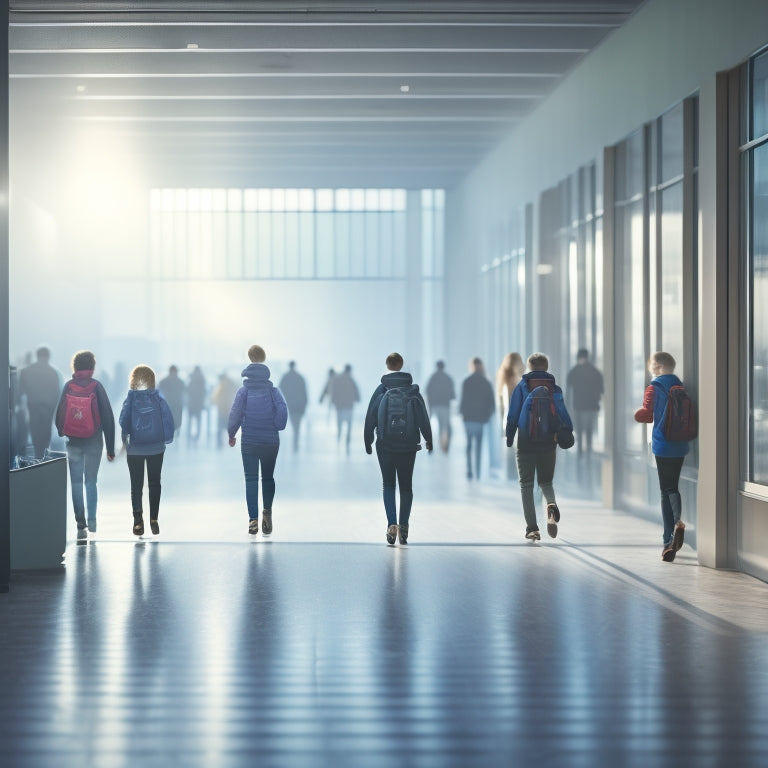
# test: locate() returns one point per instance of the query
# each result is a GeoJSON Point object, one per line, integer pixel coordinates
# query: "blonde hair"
{"type": "Point", "coordinates": [256, 354]}
{"type": "Point", "coordinates": [510, 372]}
{"type": "Point", "coordinates": [538, 361]}
{"type": "Point", "coordinates": [664, 359]}
{"type": "Point", "coordinates": [142, 377]}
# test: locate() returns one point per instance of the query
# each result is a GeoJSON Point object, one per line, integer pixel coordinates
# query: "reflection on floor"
{"type": "Point", "coordinates": [324, 646]}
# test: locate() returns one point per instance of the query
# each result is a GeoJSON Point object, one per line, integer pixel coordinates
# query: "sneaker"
{"type": "Point", "coordinates": [92, 526]}
{"type": "Point", "coordinates": [553, 518]}
{"type": "Point", "coordinates": [679, 535]}
{"type": "Point", "coordinates": [154, 526]}
{"type": "Point", "coordinates": [266, 522]}
{"type": "Point", "coordinates": [668, 553]}
{"type": "Point", "coordinates": [533, 535]}
{"type": "Point", "coordinates": [402, 532]}
{"type": "Point", "coordinates": [391, 534]}
{"type": "Point", "coordinates": [138, 525]}
{"type": "Point", "coordinates": [82, 533]}
{"type": "Point", "coordinates": [253, 525]}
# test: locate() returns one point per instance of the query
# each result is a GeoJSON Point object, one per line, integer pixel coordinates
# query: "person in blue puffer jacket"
{"type": "Point", "coordinates": [261, 411]}
{"type": "Point", "coordinates": [669, 455]}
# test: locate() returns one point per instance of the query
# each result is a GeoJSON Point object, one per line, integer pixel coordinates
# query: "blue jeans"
{"type": "Point", "coordinates": [397, 468]}
{"type": "Point", "coordinates": [540, 466]}
{"type": "Point", "coordinates": [253, 455]}
{"type": "Point", "coordinates": [84, 459]}
{"type": "Point", "coordinates": [474, 431]}
{"type": "Point", "coordinates": [344, 416]}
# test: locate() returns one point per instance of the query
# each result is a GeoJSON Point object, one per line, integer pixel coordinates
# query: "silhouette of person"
{"type": "Point", "coordinates": [173, 389]}
{"type": "Point", "coordinates": [344, 395]}
{"type": "Point", "coordinates": [196, 391]}
{"type": "Point", "coordinates": [476, 407]}
{"type": "Point", "coordinates": [440, 392]}
{"type": "Point", "coordinates": [294, 390]}
{"type": "Point", "coordinates": [584, 386]}
{"type": "Point", "coordinates": [222, 397]}
{"type": "Point", "coordinates": [508, 376]}
{"type": "Point", "coordinates": [39, 382]}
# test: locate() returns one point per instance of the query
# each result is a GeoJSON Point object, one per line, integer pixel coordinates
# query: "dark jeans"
{"type": "Point", "coordinates": [540, 466]}
{"type": "Point", "coordinates": [397, 468]}
{"type": "Point", "coordinates": [136, 470]}
{"type": "Point", "coordinates": [669, 469]}
{"type": "Point", "coordinates": [84, 459]}
{"type": "Point", "coordinates": [253, 455]}
{"type": "Point", "coordinates": [584, 426]}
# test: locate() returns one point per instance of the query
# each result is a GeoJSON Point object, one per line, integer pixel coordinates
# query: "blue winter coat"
{"type": "Point", "coordinates": [259, 409]}
{"type": "Point", "coordinates": [660, 446]}
{"type": "Point", "coordinates": [146, 449]}
{"type": "Point", "coordinates": [515, 412]}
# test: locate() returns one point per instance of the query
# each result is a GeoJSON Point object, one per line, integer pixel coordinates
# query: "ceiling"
{"type": "Point", "coordinates": [338, 93]}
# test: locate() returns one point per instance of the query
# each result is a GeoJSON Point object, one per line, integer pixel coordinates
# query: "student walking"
{"type": "Point", "coordinates": [398, 414]}
{"type": "Point", "coordinates": [538, 416]}
{"type": "Point", "coordinates": [344, 395]}
{"type": "Point", "coordinates": [294, 390]}
{"type": "Point", "coordinates": [440, 392]}
{"type": "Point", "coordinates": [84, 416]}
{"type": "Point", "coordinates": [508, 376]}
{"type": "Point", "coordinates": [39, 383]}
{"type": "Point", "coordinates": [584, 386]}
{"type": "Point", "coordinates": [261, 411]}
{"type": "Point", "coordinates": [147, 427]}
{"type": "Point", "coordinates": [476, 407]}
{"type": "Point", "coordinates": [669, 449]}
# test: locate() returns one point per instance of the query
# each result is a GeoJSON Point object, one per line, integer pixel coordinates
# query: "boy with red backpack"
{"type": "Point", "coordinates": [667, 406]}
{"type": "Point", "coordinates": [537, 414]}
{"type": "Point", "coordinates": [84, 416]}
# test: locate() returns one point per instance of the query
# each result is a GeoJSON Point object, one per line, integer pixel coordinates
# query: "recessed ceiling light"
{"type": "Point", "coordinates": [405, 88]}
{"type": "Point", "coordinates": [192, 46]}
{"type": "Point", "coordinates": [80, 88]}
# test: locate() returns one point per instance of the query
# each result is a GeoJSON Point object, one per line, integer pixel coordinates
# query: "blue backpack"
{"type": "Point", "coordinates": [146, 418]}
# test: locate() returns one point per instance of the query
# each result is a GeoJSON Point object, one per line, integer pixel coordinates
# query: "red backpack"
{"type": "Point", "coordinates": [679, 417]}
{"type": "Point", "coordinates": [81, 410]}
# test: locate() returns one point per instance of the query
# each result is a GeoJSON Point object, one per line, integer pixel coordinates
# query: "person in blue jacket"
{"type": "Point", "coordinates": [536, 459]}
{"type": "Point", "coordinates": [261, 411]}
{"type": "Point", "coordinates": [669, 455]}
{"type": "Point", "coordinates": [147, 427]}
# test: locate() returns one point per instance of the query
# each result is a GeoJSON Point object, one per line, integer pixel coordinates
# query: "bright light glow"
{"type": "Point", "coordinates": [544, 269]}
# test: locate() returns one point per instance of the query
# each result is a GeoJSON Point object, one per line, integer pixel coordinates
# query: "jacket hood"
{"type": "Point", "coordinates": [397, 379]}
{"type": "Point", "coordinates": [255, 373]}
{"type": "Point", "coordinates": [538, 375]}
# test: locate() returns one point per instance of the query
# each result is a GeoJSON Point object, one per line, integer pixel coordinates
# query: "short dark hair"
{"type": "Point", "coordinates": [395, 361]}
{"type": "Point", "coordinates": [440, 365]}
{"type": "Point", "coordinates": [43, 353]}
{"type": "Point", "coordinates": [582, 354]}
{"type": "Point", "coordinates": [83, 361]}
{"type": "Point", "coordinates": [256, 354]}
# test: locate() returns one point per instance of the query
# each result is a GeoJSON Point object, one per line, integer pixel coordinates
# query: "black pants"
{"type": "Point", "coordinates": [397, 470]}
{"type": "Point", "coordinates": [136, 471]}
{"type": "Point", "coordinates": [669, 469]}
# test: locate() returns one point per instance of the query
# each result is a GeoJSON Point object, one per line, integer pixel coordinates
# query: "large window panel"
{"type": "Point", "coordinates": [671, 274]}
{"type": "Point", "coordinates": [759, 93]}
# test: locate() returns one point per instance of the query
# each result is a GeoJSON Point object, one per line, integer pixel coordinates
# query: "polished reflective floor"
{"type": "Point", "coordinates": [324, 646]}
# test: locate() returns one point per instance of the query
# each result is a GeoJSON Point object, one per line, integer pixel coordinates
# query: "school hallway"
{"type": "Point", "coordinates": [323, 646]}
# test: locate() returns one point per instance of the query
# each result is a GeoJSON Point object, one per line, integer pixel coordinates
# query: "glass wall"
{"type": "Point", "coordinates": [755, 166]}
{"type": "Point", "coordinates": [655, 248]}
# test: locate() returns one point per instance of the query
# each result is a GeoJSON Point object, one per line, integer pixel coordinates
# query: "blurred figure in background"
{"type": "Point", "coordinates": [196, 391]}
{"type": "Point", "coordinates": [584, 388]}
{"type": "Point", "coordinates": [328, 390]}
{"type": "Point", "coordinates": [476, 408]}
{"type": "Point", "coordinates": [39, 383]}
{"type": "Point", "coordinates": [222, 398]}
{"type": "Point", "coordinates": [508, 376]}
{"type": "Point", "coordinates": [173, 389]}
{"type": "Point", "coordinates": [294, 390]}
{"type": "Point", "coordinates": [344, 395]}
{"type": "Point", "coordinates": [440, 392]}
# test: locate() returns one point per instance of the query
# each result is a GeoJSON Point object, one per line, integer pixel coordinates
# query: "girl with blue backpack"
{"type": "Point", "coordinates": [147, 425]}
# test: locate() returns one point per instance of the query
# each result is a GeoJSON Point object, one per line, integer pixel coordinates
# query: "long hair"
{"type": "Point", "coordinates": [142, 377]}
{"type": "Point", "coordinates": [509, 374]}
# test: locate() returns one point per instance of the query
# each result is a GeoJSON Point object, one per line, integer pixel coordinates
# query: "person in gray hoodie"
{"type": "Point", "coordinates": [261, 411]}
{"type": "Point", "coordinates": [398, 414]}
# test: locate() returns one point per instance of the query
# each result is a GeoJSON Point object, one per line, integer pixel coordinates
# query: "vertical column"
{"type": "Point", "coordinates": [5, 506]}
{"type": "Point", "coordinates": [413, 282]}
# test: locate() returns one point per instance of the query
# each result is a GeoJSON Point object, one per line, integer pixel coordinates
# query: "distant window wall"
{"type": "Point", "coordinates": [754, 157]}
{"type": "Point", "coordinates": [265, 234]}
